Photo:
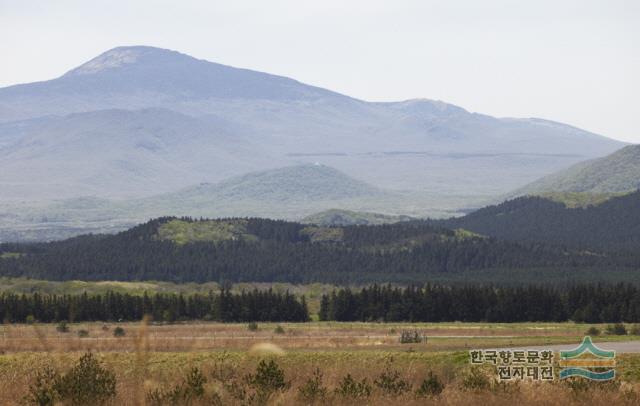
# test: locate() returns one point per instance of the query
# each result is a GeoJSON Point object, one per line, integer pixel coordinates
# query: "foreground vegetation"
{"type": "Point", "coordinates": [289, 364]}
{"type": "Point", "coordinates": [276, 378]}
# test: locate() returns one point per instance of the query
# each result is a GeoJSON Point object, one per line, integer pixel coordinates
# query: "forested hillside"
{"type": "Point", "coordinates": [259, 250]}
{"type": "Point", "coordinates": [612, 225]}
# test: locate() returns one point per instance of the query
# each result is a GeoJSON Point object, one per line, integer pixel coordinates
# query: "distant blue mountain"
{"type": "Point", "coordinates": [140, 121]}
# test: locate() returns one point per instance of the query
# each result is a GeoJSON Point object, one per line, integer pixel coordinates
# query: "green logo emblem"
{"type": "Point", "coordinates": [588, 361]}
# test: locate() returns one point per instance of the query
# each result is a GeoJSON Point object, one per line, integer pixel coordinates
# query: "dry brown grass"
{"type": "Point", "coordinates": [159, 356]}
{"type": "Point", "coordinates": [138, 374]}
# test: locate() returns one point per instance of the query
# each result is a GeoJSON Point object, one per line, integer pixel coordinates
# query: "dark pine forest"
{"type": "Point", "coordinates": [279, 251]}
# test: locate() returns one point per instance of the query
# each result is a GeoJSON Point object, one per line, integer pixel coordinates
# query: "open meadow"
{"type": "Point", "coordinates": [313, 363]}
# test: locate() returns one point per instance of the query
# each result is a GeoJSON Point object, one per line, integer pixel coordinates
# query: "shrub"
{"type": "Point", "coordinates": [593, 331]}
{"type": "Point", "coordinates": [253, 326]}
{"type": "Point", "coordinates": [87, 382]}
{"type": "Point", "coordinates": [191, 388]}
{"type": "Point", "coordinates": [279, 330]}
{"type": "Point", "coordinates": [30, 319]}
{"type": "Point", "coordinates": [475, 379]}
{"type": "Point", "coordinates": [391, 383]}
{"type": "Point", "coordinates": [269, 378]}
{"type": "Point", "coordinates": [43, 391]}
{"type": "Point", "coordinates": [431, 386]}
{"type": "Point", "coordinates": [237, 390]}
{"type": "Point", "coordinates": [577, 385]}
{"type": "Point", "coordinates": [350, 388]}
{"type": "Point", "coordinates": [410, 337]}
{"type": "Point", "coordinates": [62, 327]}
{"type": "Point", "coordinates": [224, 370]}
{"type": "Point", "coordinates": [635, 330]}
{"type": "Point", "coordinates": [119, 332]}
{"type": "Point", "coordinates": [617, 329]}
{"type": "Point", "coordinates": [194, 384]}
{"type": "Point", "coordinates": [313, 390]}
{"type": "Point", "coordinates": [83, 333]}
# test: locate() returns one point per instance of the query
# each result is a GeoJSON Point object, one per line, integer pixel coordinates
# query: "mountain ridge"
{"type": "Point", "coordinates": [182, 121]}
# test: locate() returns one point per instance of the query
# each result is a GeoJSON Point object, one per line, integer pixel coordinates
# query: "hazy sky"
{"type": "Point", "coordinates": [572, 61]}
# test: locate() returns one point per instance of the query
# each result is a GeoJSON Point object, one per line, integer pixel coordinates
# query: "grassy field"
{"type": "Point", "coordinates": [327, 336]}
{"type": "Point", "coordinates": [160, 359]}
{"type": "Point", "coordinates": [314, 363]}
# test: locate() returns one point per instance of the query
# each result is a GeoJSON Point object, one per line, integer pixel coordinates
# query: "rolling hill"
{"type": "Point", "coordinates": [289, 192]}
{"type": "Point", "coordinates": [289, 184]}
{"type": "Point", "coordinates": [616, 173]}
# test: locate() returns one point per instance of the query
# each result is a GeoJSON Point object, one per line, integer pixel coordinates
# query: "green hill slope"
{"type": "Point", "coordinates": [337, 217]}
{"type": "Point", "coordinates": [291, 183]}
{"type": "Point", "coordinates": [615, 173]}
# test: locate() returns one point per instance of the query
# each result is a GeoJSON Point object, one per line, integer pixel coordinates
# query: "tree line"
{"type": "Point", "coordinates": [255, 305]}
{"type": "Point", "coordinates": [601, 303]}
{"type": "Point", "coordinates": [434, 303]}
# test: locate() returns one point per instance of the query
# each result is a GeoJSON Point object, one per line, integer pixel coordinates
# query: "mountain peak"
{"type": "Point", "coordinates": [126, 55]}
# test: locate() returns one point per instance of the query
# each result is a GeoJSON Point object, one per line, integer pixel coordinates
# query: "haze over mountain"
{"type": "Point", "coordinates": [288, 192]}
{"type": "Point", "coordinates": [416, 144]}
{"type": "Point", "coordinates": [137, 122]}
{"type": "Point", "coordinates": [616, 173]}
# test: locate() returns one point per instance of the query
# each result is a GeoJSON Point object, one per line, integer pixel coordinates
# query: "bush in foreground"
{"type": "Point", "coordinates": [475, 379]}
{"type": "Point", "coordinates": [350, 388]}
{"type": "Point", "coordinates": [268, 379]}
{"type": "Point", "coordinates": [189, 390]}
{"type": "Point", "coordinates": [431, 386]}
{"type": "Point", "coordinates": [391, 383]}
{"type": "Point", "coordinates": [88, 382]}
{"type": "Point", "coordinates": [313, 390]}
{"type": "Point", "coordinates": [43, 390]}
